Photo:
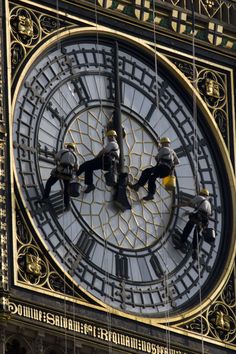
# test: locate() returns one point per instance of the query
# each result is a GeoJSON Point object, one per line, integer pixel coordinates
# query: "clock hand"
{"type": "Point", "coordinates": [120, 199]}
{"type": "Point", "coordinates": [117, 113]}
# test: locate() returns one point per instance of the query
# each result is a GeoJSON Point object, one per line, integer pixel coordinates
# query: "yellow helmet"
{"type": "Point", "coordinates": [111, 133]}
{"type": "Point", "coordinates": [204, 191]}
{"type": "Point", "coordinates": [71, 146]}
{"type": "Point", "coordinates": [164, 140]}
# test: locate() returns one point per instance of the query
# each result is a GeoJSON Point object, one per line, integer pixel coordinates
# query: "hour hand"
{"type": "Point", "coordinates": [120, 198]}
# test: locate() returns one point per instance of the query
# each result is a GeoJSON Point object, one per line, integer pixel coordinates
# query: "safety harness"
{"type": "Point", "coordinates": [65, 170]}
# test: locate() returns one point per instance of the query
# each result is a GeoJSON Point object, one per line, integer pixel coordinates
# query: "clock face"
{"type": "Point", "coordinates": [126, 259]}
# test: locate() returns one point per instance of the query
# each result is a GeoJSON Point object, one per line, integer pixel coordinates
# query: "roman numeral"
{"type": "Point", "coordinates": [34, 92]}
{"type": "Point", "coordinates": [45, 77]}
{"type": "Point", "coordinates": [162, 90]}
{"type": "Point", "coordinates": [169, 294]}
{"type": "Point", "coordinates": [121, 266]}
{"type": "Point", "coordinates": [55, 113]}
{"type": "Point", "coordinates": [24, 147]}
{"type": "Point", "coordinates": [57, 202]}
{"type": "Point", "coordinates": [38, 210]}
{"type": "Point", "coordinates": [67, 60]}
{"type": "Point", "coordinates": [46, 155]}
{"type": "Point", "coordinates": [80, 89]}
{"type": "Point", "coordinates": [156, 266]}
{"type": "Point", "coordinates": [150, 113]}
{"type": "Point", "coordinates": [183, 150]}
{"type": "Point", "coordinates": [184, 197]}
{"type": "Point", "coordinates": [75, 264]}
{"type": "Point", "coordinates": [85, 243]}
{"type": "Point", "coordinates": [59, 63]}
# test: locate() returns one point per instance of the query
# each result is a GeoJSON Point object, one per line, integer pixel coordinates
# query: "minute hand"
{"type": "Point", "coordinates": [120, 195]}
{"type": "Point", "coordinates": [117, 113]}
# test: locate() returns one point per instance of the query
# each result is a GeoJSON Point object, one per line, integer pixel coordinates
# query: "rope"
{"type": "Point", "coordinates": [155, 50]}
{"type": "Point", "coordinates": [63, 203]}
{"type": "Point", "coordinates": [195, 118]}
{"type": "Point", "coordinates": [165, 281]}
{"type": "Point", "coordinates": [105, 217]}
{"type": "Point", "coordinates": [195, 148]}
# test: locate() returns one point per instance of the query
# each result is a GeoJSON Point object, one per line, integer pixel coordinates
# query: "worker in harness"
{"type": "Point", "coordinates": [199, 217]}
{"type": "Point", "coordinates": [66, 165]}
{"type": "Point", "coordinates": [104, 160]}
{"type": "Point", "coordinates": [166, 161]}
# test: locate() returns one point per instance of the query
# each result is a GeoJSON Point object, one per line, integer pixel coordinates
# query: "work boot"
{"type": "Point", "coordinates": [194, 254]}
{"type": "Point", "coordinates": [135, 186]}
{"type": "Point", "coordinates": [89, 188]}
{"type": "Point", "coordinates": [149, 196]}
{"type": "Point", "coordinates": [44, 199]}
{"type": "Point", "coordinates": [184, 247]}
{"type": "Point", "coordinates": [67, 207]}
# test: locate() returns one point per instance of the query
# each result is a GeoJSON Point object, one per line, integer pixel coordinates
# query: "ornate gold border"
{"type": "Point", "coordinates": [3, 184]}
{"type": "Point", "coordinates": [5, 138]}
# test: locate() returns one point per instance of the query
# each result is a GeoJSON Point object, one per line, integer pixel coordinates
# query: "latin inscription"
{"type": "Point", "coordinates": [90, 330]}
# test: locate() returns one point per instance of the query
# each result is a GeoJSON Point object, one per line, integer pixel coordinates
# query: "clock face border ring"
{"type": "Point", "coordinates": [214, 128]}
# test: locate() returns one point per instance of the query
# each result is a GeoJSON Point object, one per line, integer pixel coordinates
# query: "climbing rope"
{"type": "Point", "coordinates": [195, 151]}
{"type": "Point", "coordinates": [155, 51]}
{"type": "Point", "coordinates": [105, 217]}
{"type": "Point", "coordinates": [165, 260]}
{"type": "Point", "coordinates": [61, 103]}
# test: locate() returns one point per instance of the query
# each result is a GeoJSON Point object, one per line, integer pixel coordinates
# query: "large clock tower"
{"type": "Point", "coordinates": [110, 275]}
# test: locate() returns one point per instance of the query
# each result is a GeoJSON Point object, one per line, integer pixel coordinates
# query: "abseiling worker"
{"type": "Point", "coordinates": [166, 161]}
{"type": "Point", "coordinates": [66, 165]}
{"type": "Point", "coordinates": [103, 161]}
{"type": "Point", "coordinates": [200, 217]}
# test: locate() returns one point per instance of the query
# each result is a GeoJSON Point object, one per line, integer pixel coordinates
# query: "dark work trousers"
{"type": "Point", "coordinates": [98, 163]}
{"type": "Point", "coordinates": [151, 174]}
{"type": "Point", "coordinates": [51, 181]}
{"type": "Point", "coordinates": [201, 221]}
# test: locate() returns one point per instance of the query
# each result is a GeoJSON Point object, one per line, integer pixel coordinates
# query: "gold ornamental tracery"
{"type": "Point", "coordinates": [212, 85]}
{"type": "Point", "coordinates": [28, 27]}
{"type": "Point", "coordinates": [33, 267]}
{"type": "Point", "coordinates": [219, 320]}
